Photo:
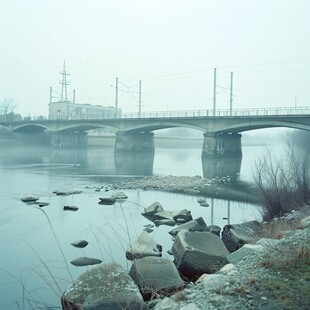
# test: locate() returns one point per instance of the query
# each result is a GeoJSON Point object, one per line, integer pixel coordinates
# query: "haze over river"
{"type": "Point", "coordinates": [33, 268]}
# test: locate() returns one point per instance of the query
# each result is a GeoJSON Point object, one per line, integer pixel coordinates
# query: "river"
{"type": "Point", "coordinates": [35, 242]}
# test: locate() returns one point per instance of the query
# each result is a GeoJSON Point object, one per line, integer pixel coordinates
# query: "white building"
{"type": "Point", "coordinates": [70, 110]}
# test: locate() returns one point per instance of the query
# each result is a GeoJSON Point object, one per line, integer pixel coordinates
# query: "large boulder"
{"type": "Point", "coordinates": [143, 246]}
{"type": "Point", "coordinates": [235, 236]}
{"type": "Point", "coordinates": [155, 276]}
{"type": "Point", "coordinates": [197, 224]}
{"type": "Point", "coordinates": [196, 253]}
{"type": "Point", "coordinates": [246, 250]}
{"type": "Point", "coordinates": [106, 287]}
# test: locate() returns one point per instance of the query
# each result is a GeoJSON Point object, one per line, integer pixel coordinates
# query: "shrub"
{"type": "Point", "coordinates": [284, 183]}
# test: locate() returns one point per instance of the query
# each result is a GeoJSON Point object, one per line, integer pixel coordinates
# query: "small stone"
{"type": "Point", "coordinates": [29, 198]}
{"type": "Point", "coordinates": [70, 208]}
{"type": "Point", "coordinates": [80, 244]}
{"type": "Point", "coordinates": [85, 261]}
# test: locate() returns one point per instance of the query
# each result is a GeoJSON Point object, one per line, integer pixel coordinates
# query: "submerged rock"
{"type": "Point", "coordinates": [80, 244]}
{"type": "Point", "coordinates": [85, 261]}
{"type": "Point", "coordinates": [70, 208]}
{"type": "Point", "coordinates": [103, 287]}
{"type": "Point", "coordinates": [107, 201]}
{"type": "Point", "coordinates": [63, 193]}
{"type": "Point", "coordinates": [120, 195]}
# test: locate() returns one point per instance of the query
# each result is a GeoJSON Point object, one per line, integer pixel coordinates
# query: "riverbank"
{"type": "Point", "coordinates": [221, 188]}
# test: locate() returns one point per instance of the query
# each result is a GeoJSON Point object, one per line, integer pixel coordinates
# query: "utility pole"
{"type": "Point", "coordinates": [51, 94]}
{"type": "Point", "coordinates": [64, 83]}
{"type": "Point", "coordinates": [73, 99]}
{"type": "Point", "coordinates": [116, 98]}
{"type": "Point", "coordinates": [214, 93]}
{"type": "Point", "coordinates": [140, 90]}
{"type": "Point", "coordinates": [231, 93]}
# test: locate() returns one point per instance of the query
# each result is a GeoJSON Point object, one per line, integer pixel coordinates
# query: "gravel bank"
{"type": "Point", "coordinates": [276, 278]}
{"type": "Point", "coordinates": [215, 188]}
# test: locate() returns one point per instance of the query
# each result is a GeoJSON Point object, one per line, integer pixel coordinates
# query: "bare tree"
{"type": "Point", "coordinates": [284, 183]}
{"type": "Point", "coordinates": [7, 108]}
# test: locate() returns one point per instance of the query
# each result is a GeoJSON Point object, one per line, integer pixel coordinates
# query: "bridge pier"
{"type": "Point", "coordinates": [221, 144]}
{"type": "Point", "coordinates": [69, 139]}
{"type": "Point", "coordinates": [134, 142]}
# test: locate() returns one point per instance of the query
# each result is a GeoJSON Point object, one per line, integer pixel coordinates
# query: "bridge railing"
{"type": "Point", "coordinates": [221, 113]}
{"type": "Point", "coordinates": [196, 113]}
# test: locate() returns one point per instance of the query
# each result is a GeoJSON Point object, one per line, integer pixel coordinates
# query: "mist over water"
{"type": "Point", "coordinates": [25, 235]}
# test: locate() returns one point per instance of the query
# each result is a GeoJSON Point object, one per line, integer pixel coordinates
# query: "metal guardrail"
{"type": "Point", "coordinates": [209, 113]}
{"type": "Point", "coordinates": [281, 111]}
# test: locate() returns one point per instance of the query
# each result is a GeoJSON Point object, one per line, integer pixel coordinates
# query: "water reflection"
{"type": "Point", "coordinates": [134, 163]}
{"type": "Point", "coordinates": [221, 167]}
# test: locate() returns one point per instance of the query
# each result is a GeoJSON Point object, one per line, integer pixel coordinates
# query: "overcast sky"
{"type": "Point", "coordinates": [171, 45]}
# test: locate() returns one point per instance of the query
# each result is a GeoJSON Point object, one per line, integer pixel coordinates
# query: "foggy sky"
{"type": "Point", "coordinates": [171, 45]}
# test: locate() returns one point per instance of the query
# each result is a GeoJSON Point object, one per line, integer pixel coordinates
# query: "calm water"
{"type": "Point", "coordinates": [30, 253]}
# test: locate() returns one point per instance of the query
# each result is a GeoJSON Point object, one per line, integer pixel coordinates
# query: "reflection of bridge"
{"type": "Point", "coordinates": [221, 132]}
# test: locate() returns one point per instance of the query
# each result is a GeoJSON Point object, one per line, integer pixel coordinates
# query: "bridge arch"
{"type": "Point", "coordinates": [158, 125]}
{"type": "Point", "coordinates": [253, 125]}
{"type": "Point", "coordinates": [30, 128]}
{"type": "Point", "coordinates": [84, 128]}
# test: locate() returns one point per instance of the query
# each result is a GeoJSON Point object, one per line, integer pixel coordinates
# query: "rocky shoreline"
{"type": "Point", "coordinates": [223, 187]}
{"type": "Point", "coordinates": [233, 269]}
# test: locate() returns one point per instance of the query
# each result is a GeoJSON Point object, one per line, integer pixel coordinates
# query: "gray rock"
{"type": "Point", "coordinates": [80, 244]}
{"type": "Point", "coordinates": [193, 225]}
{"type": "Point", "coordinates": [182, 216]}
{"type": "Point", "coordinates": [63, 193]}
{"type": "Point", "coordinates": [214, 229]}
{"type": "Point", "coordinates": [143, 246]}
{"type": "Point", "coordinates": [120, 196]}
{"type": "Point", "coordinates": [85, 261]}
{"type": "Point", "coordinates": [165, 304]}
{"type": "Point", "coordinates": [196, 253]}
{"type": "Point", "coordinates": [106, 287]}
{"type": "Point", "coordinates": [214, 282]}
{"type": "Point", "coordinates": [29, 198]}
{"type": "Point", "coordinates": [164, 222]}
{"type": "Point", "coordinates": [244, 251]}
{"type": "Point", "coordinates": [204, 204]}
{"type": "Point", "coordinates": [148, 226]}
{"type": "Point", "coordinates": [107, 200]}
{"type": "Point", "coordinates": [235, 236]}
{"type": "Point", "coordinates": [152, 209]}
{"type": "Point", "coordinates": [148, 230]}
{"type": "Point", "coordinates": [305, 222]}
{"type": "Point", "coordinates": [156, 275]}
{"type": "Point", "coordinates": [70, 208]}
{"type": "Point", "coordinates": [163, 215]}
{"type": "Point", "coordinates": [266, 242]}
{"type": "Point", "coordinates": [201, 200]}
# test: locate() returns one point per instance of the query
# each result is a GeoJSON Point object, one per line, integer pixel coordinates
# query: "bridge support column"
{"type": "Point", "coordinates": [72, 139]}
{"type": "Point", "coordinates": [223, 144]}
{"type": "Point", "coordinates": [134, 142]}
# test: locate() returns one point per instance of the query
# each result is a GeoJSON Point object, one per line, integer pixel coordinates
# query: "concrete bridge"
{"type": "Point", "coordinates": [222, 132]}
